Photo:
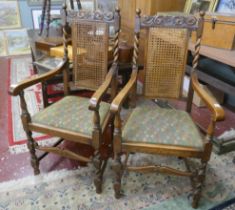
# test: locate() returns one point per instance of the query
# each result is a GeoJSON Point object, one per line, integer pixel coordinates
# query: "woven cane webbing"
{"type": "Point", "coordinates": [165, 62]}
{"type": "Point", "coordinates": [90, 53]}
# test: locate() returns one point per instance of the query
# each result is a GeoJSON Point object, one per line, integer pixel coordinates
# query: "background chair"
{"type": "Point", "coordinates": [43, 63]}
{"type": "Point", "coordinates": [70, 117]}
{"type": "Point", "coordinates": [157, 130]}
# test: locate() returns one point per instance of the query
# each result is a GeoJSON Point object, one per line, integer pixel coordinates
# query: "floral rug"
{"type": "Point", "coordinates": [19, 69]}
{"type": "Point", "coordinates": [74, 189]}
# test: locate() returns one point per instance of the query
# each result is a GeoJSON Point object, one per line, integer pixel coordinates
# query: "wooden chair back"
{"type": "Point", "coordinates": [165, 53]}
{"type": "Point", "coordinates": [90, 45]}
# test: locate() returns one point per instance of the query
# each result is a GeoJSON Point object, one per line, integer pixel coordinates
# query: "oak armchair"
{"type": "Point", "coordinates": [161, 131]}
{"type": "Point", "coordinates": [70, 117]}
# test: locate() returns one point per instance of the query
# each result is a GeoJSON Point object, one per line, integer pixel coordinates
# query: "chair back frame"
{"type": "Point", "coordinates": [90, 18]}
{"type": "Point", "coordinates": [188, 23]}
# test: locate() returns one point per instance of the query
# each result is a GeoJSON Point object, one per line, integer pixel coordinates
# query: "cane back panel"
{"type": "Point", "coordinates": [165, 62]}
{"type": "Point", "coordinates": [90, 53]}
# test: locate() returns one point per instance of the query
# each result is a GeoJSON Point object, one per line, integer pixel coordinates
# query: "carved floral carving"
{"type": "Point", "coordinates": [87, 15]}
{"type": "Point", "coordinates": [189, 22]}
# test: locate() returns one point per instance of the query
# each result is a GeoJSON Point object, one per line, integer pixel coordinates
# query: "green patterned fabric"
{"type": "Point", "coordinates": [162, 126]}
{"type": "Point", "coordinates": [71, 113]}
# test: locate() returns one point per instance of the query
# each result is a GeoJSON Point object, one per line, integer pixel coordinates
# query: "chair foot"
{"type": "Point", "coordinates": [31, 146]}
{"type": "Point", "coordinates": [117, 190]}
{"type": "Point", "coordinates": [118, 169]}
{"type": "Point", "coordinates": [197, 188]}
{"type": "Point", "coordinates": [98, 185]}
{"type": "Point", "coordinates": [100, 166]}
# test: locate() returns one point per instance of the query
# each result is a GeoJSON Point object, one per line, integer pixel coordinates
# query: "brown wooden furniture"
{"type": "Point", "coordinates": [70, 117]}
{"type": "Point", "coordinates": [59, 52]}
{"type": "Point", "coordinates": [219, 31]}
{"type": "Point", "coordinates": [149, 7]}
{"type": "Point", "coordinates": [221, 55]}
{"type": "Point", "coordinates": [158, 130]}
{"type": "Point", "coordinates": [45, 43]}
{"type": "Point", "coordinates": [225, 57]}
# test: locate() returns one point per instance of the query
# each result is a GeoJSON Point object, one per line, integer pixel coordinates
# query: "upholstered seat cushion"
{"type": "Point", "coordinates": [70, 113]}
{"type": "Point", "coordinates": [161, 126]}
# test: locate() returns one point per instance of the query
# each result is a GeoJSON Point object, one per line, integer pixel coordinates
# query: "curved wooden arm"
{"type": "Point", "coordinates": [119, 99]}
{"type": "Point", "coordinates": [212, 104]}
{"type": "Point", "coordinates": [99, 93]}
{"type": "Point", "coordinates": [15, 89]}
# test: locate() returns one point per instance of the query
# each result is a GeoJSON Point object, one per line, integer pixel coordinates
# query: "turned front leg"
{"type": "Point", "coordinates": [117, 166]}
{"type": "Point", "coordinates": [25, 117]}
{"type": "Point", "coordinates": [118, 169]}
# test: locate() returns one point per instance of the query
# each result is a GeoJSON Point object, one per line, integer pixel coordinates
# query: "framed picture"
{"type": "Point", "coordinates": [17, 42]}
{"type": "Point", "coordinates": [225, 6]}
{"type": "Point", "coordinates": [9, 15]}
{"type": "Point", "coordinates": [40, 2]}
{"type": "Point", "coordinates": [195, 6]}
{"type": "Point", "coordinates": [3, 49]}
{"type": "Point", "coordinates": [36, 15]}
{"type": "Point", "coordinates": [186, 5]}
{"type": "Point", "coordinates": [106, 5]}
{"type": "Point", "coordinates": [88, 5]}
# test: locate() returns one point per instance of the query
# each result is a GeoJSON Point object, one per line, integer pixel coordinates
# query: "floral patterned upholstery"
{"type": "Point", "coordinates": [162, 126]}
{"type": "Point", "coordinates": [71, 113]}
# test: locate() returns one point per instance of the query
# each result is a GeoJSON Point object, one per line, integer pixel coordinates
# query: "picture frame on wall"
{"type": "Point", "coordinates": [40, 2]}
{"type": "Point", "coordinates": [225, 6]}
{"type": "Point", "coordinates": [9, 15]}
{"type": "Point", "coordinates": [195, 6]}
{"type": "Point", "coordinates": [106, 5]}
{"type": "Point", "coordinates": [17, 42]}
{"type": "Point", "coordinates": [36, 16]}
{"type": "Point", "coordinates": [88, 5]}
{"type": "Point", "coordinates": [3, 47]}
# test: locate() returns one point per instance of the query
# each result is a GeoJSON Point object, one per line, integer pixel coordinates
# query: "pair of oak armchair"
{"type": "Point", "coordinates": [147, 130]}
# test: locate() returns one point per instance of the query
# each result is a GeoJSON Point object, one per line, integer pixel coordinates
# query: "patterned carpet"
{"type": "Point", "coordinates": [75, 190]}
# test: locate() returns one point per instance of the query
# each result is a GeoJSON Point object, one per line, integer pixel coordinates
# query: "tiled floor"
{"type": "Point", "coordinates": [17, 166]}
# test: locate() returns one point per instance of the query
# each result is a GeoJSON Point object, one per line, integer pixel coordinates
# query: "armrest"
{"type": "Point", "coordinates": [99, 93]}
{"type": "Point", "coordinates": [15, 89]}
{"type": "Point", "coordinates": [119, 99]}
{"type": "Point", "coordinates": [212, 104]}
